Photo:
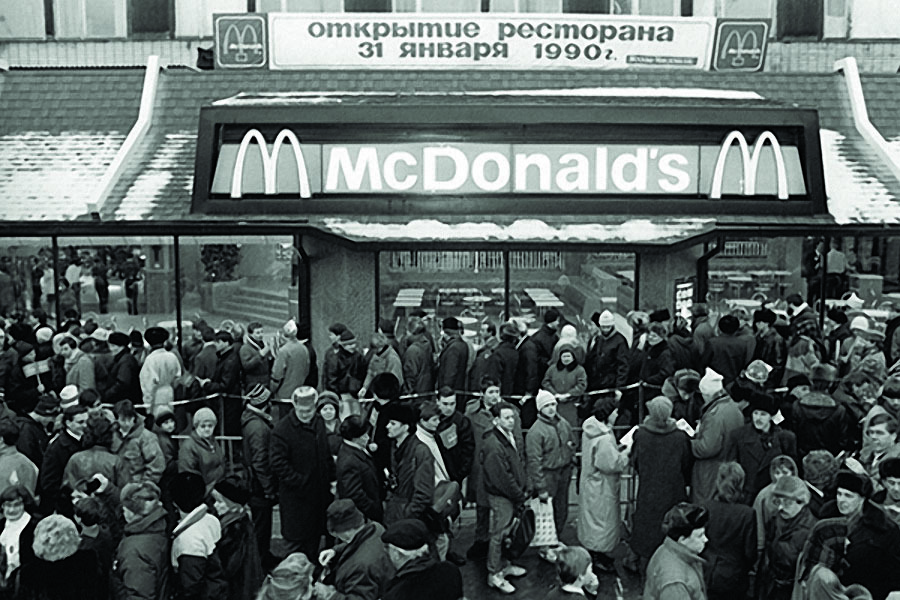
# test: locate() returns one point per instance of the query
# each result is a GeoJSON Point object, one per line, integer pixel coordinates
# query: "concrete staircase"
{"type": "Point", "coordinates": [270, 307]}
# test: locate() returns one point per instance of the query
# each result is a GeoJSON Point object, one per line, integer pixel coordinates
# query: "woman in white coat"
{"type": "Point", "coordinates": [602, 463]}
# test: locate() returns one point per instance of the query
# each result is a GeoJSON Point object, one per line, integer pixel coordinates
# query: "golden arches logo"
{"type": "Point", "coordinates": [270, 162]}
{"type": "Point", "coordinates": [750, 162]}
{"type": "Point", "coordinates": [737, 46]}
{"type": "Point", "coordinates": [240, 43]}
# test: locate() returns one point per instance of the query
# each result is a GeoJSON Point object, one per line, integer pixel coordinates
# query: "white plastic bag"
{"type": "Point", "coordinates": [544, 525]}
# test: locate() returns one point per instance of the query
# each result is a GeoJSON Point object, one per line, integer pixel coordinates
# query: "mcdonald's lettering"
{"type": "Point", "coordinates": [750, 163]}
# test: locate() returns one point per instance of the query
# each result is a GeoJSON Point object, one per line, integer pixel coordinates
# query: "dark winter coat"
{"type": "Point", "coordinates": [203, 457]}
{"type": "Point", "coordinates": [123, 380]}
{"type": "Point", "coordinates": [784, 542]}
{"type": "Point", "coordinates": [359, 480]}
{"type": "Point", "coordinates": [72, 578]}
{"type": "Point", "coordinates": [418, 365]}
{"type": "Point", "coordinates": [606, 362]}
{"type": "Point", "coordinates": [674, 572]}
{"type": "Point", "coordinates": [453, 364]}
{"type": "Point", "coordinates": [304, 467]}
{"type": "Point", "coordinates": [456, 441]}
{"type": "Point", "coordinates": [728, 355]}
{"type": "Point", "coordinates": [343, 371]}
{"type": "Point", "coordinates": [730, 552]}
{"type": "Point", "coordinates": [657, 365]}
{"type": "Point", "coordinates": [528, 373]}
{"type": "Point", "coordinates": [503, 467]}
{"type": "Point", "coordinates": [771, 348]}
{"type": "Point", "coordinates": [141, 568]}
{"type": "Point", "coordinates": [682, 348]}
{"type": "Point", "coordinates": [754, 452]}
{"type": "Point", "coordinates": [662, 456]}
{"type": "Point", "coordinates": [241, 563]}
{"type": "Point", "coordinates": [819, 422]}
{"type": "Point", "coordinates": [412, 465]}
{"type": "Point", "coordinates": [33, 439]}
{"type": "Point", "coordinates": [361, 568]}
{"type": "Point", "coordinates": [205, 361]}
{"type": "Point", "coordinates": [227, 376]}
{"type": "Point", "coordinates": [806, 322]}
{"type": "Point", "coordinates": [256, 433]}
{"type": "Point", "coordinates": [424, 577]}
{"type": "Point", "coordinates": [502, 365]}
{"type": "Point", "coordinates": [50, 479]}
{"type": "Point", "coordinates": [255, 366]}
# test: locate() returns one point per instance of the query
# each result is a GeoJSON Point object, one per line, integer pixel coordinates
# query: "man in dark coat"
{"type": "Point", "coordinates": [304, 467]}
{"type": "Point", "coordinates": [481, 364]}
{"type": "Point", "coordinates": [771, 348]}
{"type": "Point", "coordinates": [455, 437]}
{"type": "Point", "coordinates": [817, 419]}
{"type": "Point", "coordinates": [359, 566]}
{"type": "Point", "coordinates": [57, 456]}
{"type": "Point", "coordinates": [606, 361]}
{"type": "Point", "coordinates": [226, 380]}
{"type": "Point", "coordinates": [33, 437]}
{"type": "Point", "coordinates": [862, 545]}
{"type": "Point", "coordinates": [411, 489]}
{"type": "Point", "coordinates": [730, 352]}
{"type": "Point", "coordinates": [755, 444]}
{"type": "Point", "coordinates": [256, 434]}
{"type": "Point", "coordinates": [786, 533]}
{"type": "Point", "coordinates": [204, 363]}
{"type": "Point", "coordinates": [504, 360]}
{"type": "Point", "coordinates": [141, 566]}
{"type": "Point", "coordinates": [417, 359]}
{"type": "Point", "coordinates": [454, 357]}
{"type": "Point", "coordinates": [804, 322]}
{"type": "Point", "coordinates": [534, 358]}
{"type": "Point", "coordinates": [358, 479]}
{"type": "Point", "coordinates": [123, 381]}
{"type": "Point", "coordinates": [418, 574]}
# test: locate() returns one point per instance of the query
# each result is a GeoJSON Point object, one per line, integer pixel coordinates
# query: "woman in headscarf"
{"type": "Point", "coordinates": [661, 455]}
{"type": "Point", "coordinates": [567, 380]}
{"type": "Point", "coordinates": [291, 580]}
{"type": "Point", "coordinates": [200, 453]}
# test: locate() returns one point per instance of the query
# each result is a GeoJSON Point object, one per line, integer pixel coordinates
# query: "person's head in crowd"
{"type": "Point", "coordinates": [126, 416]}
{"type": "Point", "coordinates": [258, 397]}
{"type": "Point", "coordinates": [98, 432]}
{"type": "Point", "coordinates": [415, 326]}
{"type": "Point", "coordinates": [552, 319]}
{"type": "Point", "coordinates": [823, 377]}
{"type": "Point", "coordinates": [824, 584]}
{"type": "Point", "coordinates": [429, 416]}
{"type": "Point", "coordinates": [188, 491]}
{"type": "Point", "coordinates": [861, 385]}
{"type": "Point", "coordinates": [504, 416]}
{"type": "Point", "coordinates": [118, 342]}
{"type": "Point", "coordinates": [164, 419]}
{"type": "Point", "coordinates": [820, 469]}
{"type": "Point", "coordinates": [343, 520]}
{"type": "Point", "coordinates": [798, 386]}
{"type": "Point", "coordinates": [681, 327]}
{"type": "Point", "coordinates": [789, 496]}
{"type": "Point", "coordinates": [354, 429]}
{"type": "Point", "coordinates": [224, 340]}
{"type": "Point", "coordinates": [605, 322]}
{"type": "Point", "coordinates": [488, 331]}
{"type": "Point", "coordinates": [451, 327]}
{"type": "Point", "coordinates": [347, 341]}
{"type": "Point", "coordinates": [45, 410]}
{"type": "Point", "coordinates": [446, 402]}
{"type": "Point", "coordinates": [606, 408]}
{"type": "Point", "coordinates": [156, 337]}
{"type": "Point", "coordinates": [385, 387]}
{"type": "Point", "coordinates": [255, 332]}
{"type": "Point", "coordinates": [15, 501]}
{"type": "Point", "coordinates": [68, 396]}
{"type": "Point", "coordinates": [763, 320]}
{"type": "Point", "coordinates": [656, 333]}
{"type": "Point", "coordinates": [638, 320]}
{"type": "Point", "coordinates": [43, 335]}
{"type": "Point", "coordinates": [509, 332]}
{"type": "Point", "coordinates": [742, 315]}
{"type": "Point", "coordinates": [90, 400]}
{"type": "Point", "coordinates": [304, 399]}
{"type": "Point", "coordinates": [204, 422]}
{"type": "Point", "coordinates": [139, 500]}
{"type": "Point", "coordinates": [685, 524]}
{"type": "Point", "coordinates": [9, 432]}
{"type": "Point", "coordinates": [75, 420]}
{"type": "Point", "coordinates": [89, 512]}
{"type": "Point", "coordinates": [575, 568]}
{"type": "Point", "coordinates": [230, 496]}
{"type": "Point", "coordinates": [659, 412]}
{"type": "Point", "coordinates": [386, 326]}
{"type": "Point", "coordinates": [292, 579]}
{"type": "Point", "coordinates": [710, 385]}
{"type": "Point", "coordinates": [853, 489]}
{"type": "Point", "coordinates": [889, 475]}
{"type": "Point", "coordinates": [328, 405]}
{"type": "Point", "coordinates": [729, 483]}
{"type": "Point", "coordinates": [238, 331]}
{"type": "Point", "coordinates": [67, 345]}
{"type": "Point", "coordinates": [546, 404]}
{"type": "Point", "coordinates": [567, 359]}
{"type": "Point", "coordinates": [762, 410]}
{"type": "Point", "coordinates": [136, 339]}
{"type": "Point", "coordinates": [757, 372]}
{"type": "Point", "coordinates": [729, 325]}
{"type": "Point", "coordinates": [208, 335]}
{"type": "Point", "coordinates": [782, 466]}
{"type": "Point", "coordinates": [406, 540]}
{"type": "Point", "coordinates": [890, 395]}
{"type": "Point", "coordinates": [55, 538]}
{"type": "Point", "coordinates": [881, 433]}
{"type": "Point", "coordinates": [401, 420]}
{"type": "Point", "coordinates": [687, 383]}
{"type": "Point", "coordinates": [379, 341]}
{"type": "Point", "coordinates": [490, 391]}
{"type": "Point", "coordinates": [834, 318]}
{"type": "Point", "coordinates": [794, 301]}
{"type": "Point", "coordinates": [334, 332]}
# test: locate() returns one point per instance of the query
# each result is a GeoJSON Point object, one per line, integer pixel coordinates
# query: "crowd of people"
{"type": "Point", "coordinates": [764, 449]}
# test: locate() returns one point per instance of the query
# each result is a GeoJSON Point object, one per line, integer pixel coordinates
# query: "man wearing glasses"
{"type": "Point", "coordinates": [786, 532]}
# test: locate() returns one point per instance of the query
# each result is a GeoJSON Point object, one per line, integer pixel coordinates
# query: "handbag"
{"type": "Point", "coordinates": [444, 507]}
{"type": "Point", "coordinates": [520, 534]}
{"type": "Point", "coordinates": [544, 525]}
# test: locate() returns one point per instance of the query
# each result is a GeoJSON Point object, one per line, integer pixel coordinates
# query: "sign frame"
{"type": "Point", "coordinates": [724, 36]}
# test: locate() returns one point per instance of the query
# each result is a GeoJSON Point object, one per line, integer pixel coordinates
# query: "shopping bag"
{"type": "Point", "coordinates": [521, 532]}
{"type": "Point", "coordinates": [544, 525]}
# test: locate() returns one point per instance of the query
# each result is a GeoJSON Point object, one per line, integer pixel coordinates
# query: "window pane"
{"type": "Point", "coordinates": [367, 5]}
{"type": "Point", "coordinates": [591, 6]}
{"type": "Point", "coordinates": [101, 17]}
{"type": "Point", "coordinates": [149, 16]}
{"type": "Point", "coordinates": [26, 275]}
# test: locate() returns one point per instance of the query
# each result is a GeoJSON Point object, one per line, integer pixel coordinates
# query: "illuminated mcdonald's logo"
{"type": "Point", "coordinates": [750, 163]}
{"type": "Point", "coordinates": [270, 162]}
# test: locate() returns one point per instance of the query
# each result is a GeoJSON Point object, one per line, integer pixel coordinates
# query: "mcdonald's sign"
{"type": "Point", "coordinates": [240, 41]}
{"type": "Point", "coordinates": [750, 163]}
{"type": "Point", "coordinates": [740, 45]}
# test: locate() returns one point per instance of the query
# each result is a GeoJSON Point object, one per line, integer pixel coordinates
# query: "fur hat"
{"type": "Point", "coordinates": [290, 580]}
{"type": "Point", "coordinates": [686, 380]}
{"type": "Point", "coordinates": [47, 406]}
{"type": "Point", "coordinates": [156, 336]}
{"type": "Point", "coordinates": [729, 324]}
{"type": "Point", "coordinates": [820, 468]}
{"type": "Point", "coordinates": [117, 338]}
{"type": "Point", "coordinates": [407, 534]}
{"type": "Point", "coordinates": [659, 329]}
{"type": "Point", "coordinates": [402, 412]}
{"type": "Point", "coordinates": [55, 538]}
{"type": "Point", "coordinates": [764, 315]}
{"type": "Point", "coordinates": [188, 491]}
{"type": "Point", "coordinates": [660, 409]}
{"type": "Point", "coordinates": [793, 487]}
{"type": "Point", "coordinates": [343, 515]}
{"type": "Point", "coordinates": [889, 467]}
{"type": "Point", "coordinates": [661, 315]}
{"type": "Point", "coordinates": [544, 398]}
{"type": "Point", "coordinates": [137, 340]}
{"type": "Point", "coordinates": [764, 402]}
{"type": "Point", "coordinates": [43, 335]}
{"type": "Point", "coordinates": [854, 482]}
{"type": "Point", "coordinates": [451, 324]}
{"type": "Point", "coordinates": [346, 338]}
{"type": "Point", "coordinates": [162, 412]}
{"type": "Point", "coordinates": [699, 310]}
{"type": "Point", "coordinates": [234, 490]}
{"type": "Point", "coordinates": [136, 496]}
{"type": "Point", "coordinates": [328, 397]}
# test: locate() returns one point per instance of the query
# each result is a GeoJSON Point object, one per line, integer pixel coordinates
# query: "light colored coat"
{"type": "Point", "coordinates": [599, 521]}
{"type": "Point", "coordinates": [718, 419]}
{"type": "Point", "coordinates": [161, 369]}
